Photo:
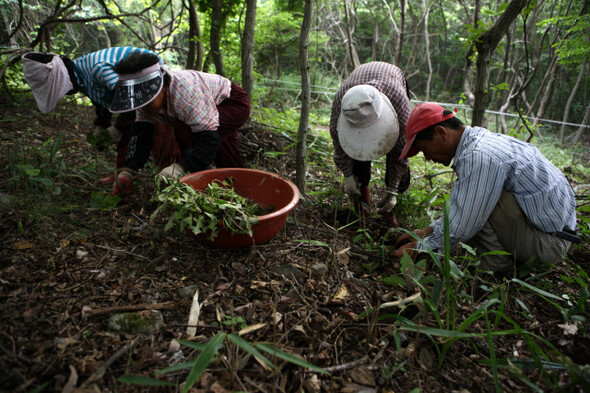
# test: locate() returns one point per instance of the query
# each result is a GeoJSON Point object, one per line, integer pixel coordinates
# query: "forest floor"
{"type": "Point", "coordinates": [70, 266]}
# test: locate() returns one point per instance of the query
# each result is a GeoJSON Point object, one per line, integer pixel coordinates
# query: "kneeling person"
{"type": "Point", "coordinates": [507, 196]}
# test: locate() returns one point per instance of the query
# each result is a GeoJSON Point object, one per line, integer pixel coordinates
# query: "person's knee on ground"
{"type": "Point", "coordinates": [509, 230]}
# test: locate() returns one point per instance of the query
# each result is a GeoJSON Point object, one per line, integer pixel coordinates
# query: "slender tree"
{"type": "Point", "coordinates": [248, 47]}
{"type": "Point", "coordinates": [301, 153]}
{"type": "Point", "coordinates": [583, 127]}
{"type": "Point", "coordinates": [570, 100]}
{"type": "Point", "coordinates": [350, 33]}
{"type": "Point", "coordinates": [486, 45]}
{"type": "Point", "coordinates": [195, 45]}
{"type": "Point", "coordinates": [217, 22]}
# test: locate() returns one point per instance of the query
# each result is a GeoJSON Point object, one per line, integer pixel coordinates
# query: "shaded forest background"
{"type": "Point", "coordinates": [531, 56]}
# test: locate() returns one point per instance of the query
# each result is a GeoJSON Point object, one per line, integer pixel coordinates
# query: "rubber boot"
{"type": "Point", "coordinates": [362, 203]}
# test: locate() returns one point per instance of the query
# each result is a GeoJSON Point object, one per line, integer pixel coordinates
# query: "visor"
{"type": "Point", "coordinates": [134, 91]}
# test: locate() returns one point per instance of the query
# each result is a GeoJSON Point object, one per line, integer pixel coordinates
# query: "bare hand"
{"type": "Point", "coordinates": [403, 239]}
{"type": "Point", "coordinates": [406, 237]}
{"type": "Point", "coordinates": [408, 248]}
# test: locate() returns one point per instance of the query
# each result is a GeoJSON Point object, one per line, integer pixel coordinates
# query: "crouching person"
{"type": "Point", "coordinates": [190, 119]}
{"type": "Point", "coordinates": [507, 196]}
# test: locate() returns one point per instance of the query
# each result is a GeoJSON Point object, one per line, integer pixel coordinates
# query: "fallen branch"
{"type": "Point", "coordinates": [88, 312]}
{"type": "Point", "coordinates": [409, 299]}
{"type": "Point", "coordinates": [346, 366]}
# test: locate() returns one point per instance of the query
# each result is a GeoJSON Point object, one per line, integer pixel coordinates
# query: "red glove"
{"type": "Point", "coordinates": [123, 180]}
{"type": "Point", "coordinates": [362, 203]}
{"type": "Point", "coordinates": [108, 180]}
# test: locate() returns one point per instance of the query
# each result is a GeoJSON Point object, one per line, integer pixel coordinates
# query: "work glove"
{"type": "Point", "coordinates": [351, 186]}
{"type": "Point", "coordinates": [388, 201]}
{"type": "Point", "coordinates": [114, 134]}
{"type": "Point", "coordinates": [173, 171]}
{"type": "Point", "coordinates": [123, 182]}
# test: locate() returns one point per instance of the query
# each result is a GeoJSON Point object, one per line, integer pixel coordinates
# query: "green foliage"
{"type": "Point", "coordinates": [209, 353]}
{"type": "Point", "coordinates": [100, 142]}
{"type": "Point", "coordinates": [104, 202]}
{"type": "Point", "coordinates": [238, 322]}
{"type": "Point", "coordinates": [32, 168]}
{"type": "Point", "coordinates": [574, 48]}
{"type": "Point", "coordinates": [442, 296]}
{"type": "Point", "coordinates": [39, 388]}
{"type": "Point", "coordinates": [219, 205]}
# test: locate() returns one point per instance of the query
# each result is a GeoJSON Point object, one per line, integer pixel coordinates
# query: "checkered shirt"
{"type": "Point", "coordinates": [192, 98]}
{"type": "Point", "coordinates": [390, 81]}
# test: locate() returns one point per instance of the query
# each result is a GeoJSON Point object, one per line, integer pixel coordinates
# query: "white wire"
{"type": "Point", "coordinates": [330, 90]}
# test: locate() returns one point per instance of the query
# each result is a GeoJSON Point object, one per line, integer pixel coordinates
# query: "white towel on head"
{"type": "Point", "coordinates": [49, 82]}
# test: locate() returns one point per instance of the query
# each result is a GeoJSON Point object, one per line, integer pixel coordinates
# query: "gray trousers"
{"type": "Point", "coordinates": [508, 229]}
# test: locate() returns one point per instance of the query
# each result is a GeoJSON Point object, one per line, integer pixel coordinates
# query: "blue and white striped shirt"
{"type": "Point", "coordinates": [486, 164]}
{"type": "Point", "coordinates": [96, 74]}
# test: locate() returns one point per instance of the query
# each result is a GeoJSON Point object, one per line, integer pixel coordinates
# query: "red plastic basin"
{"type": "Point", "coordinates": [264, 188]}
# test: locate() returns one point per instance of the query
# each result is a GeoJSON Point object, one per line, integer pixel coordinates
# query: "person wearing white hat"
{"type": "Point", "coordinates": [368, 119]}
{"type": "Point", "coordinates": [51, 77]}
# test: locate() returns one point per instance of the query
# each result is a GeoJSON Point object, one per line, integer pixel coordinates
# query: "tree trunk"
{"type": "Point", "coordinates": [485, 47]}
{"type": "Point", "coordinates": [350, 28]}
{"type": "Point", "coordinates": [215, 39]}
{"type": "Point", "coordinates": [194, 58]}
{"type": "Point", "coordinates": [248, 47]}
{"type": "Point", "coordinates": [400, 37]}
{"type": "Point", "coordinates": [107, 38]}
{"type": "Point", "coordinates": [392, 20]}
{"type": "Point", "coordinates": [375, 39]}
{"type": "Point", "coordinates": [514, 87]}
{"type": "Point", "coordinates": [427, 44]}
{"type": "Point", "coordinates": [410, 65]}
{"type": "Point", "coordinates": [468, 81]}
{"type": "Point", "coordinates": [9, 31]}
{"type": "Point", "coordinates": [153, 33]}
{"type": "Point", "coordinates": [546, 97]}
{"type": "Point", "coordinates": [583, 127]}
{"type": "Point", "coordinates": [570, 100]}
{"type": "Point", "coordinates": [301, 153]}
{"type": "Point", "coordinates": [503, 76]}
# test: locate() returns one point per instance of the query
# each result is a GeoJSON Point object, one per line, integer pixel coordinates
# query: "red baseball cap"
{"type": "Point", "coordinates": [423, 116]}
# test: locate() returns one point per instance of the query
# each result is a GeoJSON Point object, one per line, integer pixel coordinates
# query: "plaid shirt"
{"type": "Point", "coordinates": [192, 98]}
{"type": "Point", "coordinates": [390, 81]}
{"type": "Point", "coordinates": [95, 72]}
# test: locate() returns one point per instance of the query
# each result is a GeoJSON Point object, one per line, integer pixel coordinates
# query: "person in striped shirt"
{"type": "Point", "coordinates": [507, 195]}
{"type": "Point", "coordinates": [51, 77]}
{"type": "Point", "coordinates": [190, 118]}
{"type": "Point", "coordinates": [368, 120]}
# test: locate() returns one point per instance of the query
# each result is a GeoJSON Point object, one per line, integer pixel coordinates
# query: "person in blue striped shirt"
{"type": "Point", "coordinates": [51, 77]}
{"type": "Point", "coordinates": [507, 195]}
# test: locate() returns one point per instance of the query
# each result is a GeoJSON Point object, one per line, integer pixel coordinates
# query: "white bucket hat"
{"type": "Point", "coordinates": [367, 127]}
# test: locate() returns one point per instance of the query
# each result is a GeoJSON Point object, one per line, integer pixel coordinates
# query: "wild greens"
{"type": "Point", "coordinates": [206, 211]}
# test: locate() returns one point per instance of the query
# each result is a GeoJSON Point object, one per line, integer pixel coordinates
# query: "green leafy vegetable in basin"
{"type": "Point", "coordinates": [219, 205]}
